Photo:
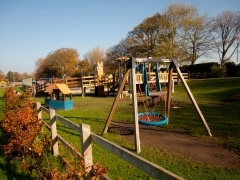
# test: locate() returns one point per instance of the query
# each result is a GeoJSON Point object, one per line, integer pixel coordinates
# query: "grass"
{"type": "Point", "coordinates": [213, 98]}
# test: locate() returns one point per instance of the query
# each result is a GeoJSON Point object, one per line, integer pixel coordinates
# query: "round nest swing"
{"type": "Point", "coordinates": [152, 119]}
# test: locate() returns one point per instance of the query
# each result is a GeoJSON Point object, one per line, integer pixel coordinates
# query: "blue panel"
{"type": "Point", "coordinates": [46, 101]}
{"type": "Point", "coordinates": [68, 104]}
{"type": "Point", "coordinates": [61, 105]}
{"type": "Point", "coordinates": [145, 81]}
{"type": "Point", "coordinates": [159, 87]}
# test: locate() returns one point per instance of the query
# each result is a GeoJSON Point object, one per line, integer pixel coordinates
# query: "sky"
{"type": "Point", "coordinates": [31, 29]}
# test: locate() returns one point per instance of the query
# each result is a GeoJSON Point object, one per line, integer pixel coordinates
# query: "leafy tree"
{"type": "Point", "coordinates": [17, 77]}
{"type": "Point", "coordinates": [41, 69]}
{"type": "Point", "coordinates": [179, 32]}
{"type": "Point", "coordinates": [85, 65]}
{"type": "Point", "coordinates": [63, 61]}
{"type": "Point", "coordinates": [226, 29]}
{"type": "Point", "coordinates": [10, 76]}
{"type": "Point", "coordinates": [2, 76]}
{"type": "Point", "coordinates": [145, 37]}
{"type": "Point", "coordinates": [59, 63]}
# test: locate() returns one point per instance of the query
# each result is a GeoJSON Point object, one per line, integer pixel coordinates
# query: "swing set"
{"type": "Point", "coordinates": [150, 118]}
{"type": "Point", "coordinates": [132, 62]}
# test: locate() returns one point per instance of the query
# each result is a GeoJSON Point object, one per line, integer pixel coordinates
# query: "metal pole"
{"type": "Point", "coordinates": [237, 48]}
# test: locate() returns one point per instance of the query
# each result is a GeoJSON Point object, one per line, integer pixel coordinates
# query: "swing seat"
{"type": "Point", "coordinates": [152, 119]}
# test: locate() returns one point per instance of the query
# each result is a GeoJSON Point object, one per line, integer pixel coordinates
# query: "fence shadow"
{"type": "Point", "coordinates": [8, 168]}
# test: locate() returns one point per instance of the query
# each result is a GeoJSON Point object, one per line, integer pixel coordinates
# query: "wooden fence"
{"type": "Point", "coordinates": [87, 137]}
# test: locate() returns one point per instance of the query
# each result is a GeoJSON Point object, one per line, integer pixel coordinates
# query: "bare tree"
{"type": "Point", "coordinates": [94, 55]}
{"type": "Point", "coordinates": [226, 31]}
{"type": "Point", "coordinates": [176, 15]}
{"type": "Point", "coordinates": [196, 39]}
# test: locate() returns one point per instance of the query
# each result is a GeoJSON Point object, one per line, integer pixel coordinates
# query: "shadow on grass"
{"type": "Point", "coordinates": [9, 170]}
{"type": "Point", "coordinates": [65, 129]}
{"type": "Point", "coordinates": [85, 119]}
{"type": "Point", "coordinates": [1, 107]}
{"type": "Point", "coordinates": [124, 128]}
{"type": "Point", "coordinates": [91, 95]}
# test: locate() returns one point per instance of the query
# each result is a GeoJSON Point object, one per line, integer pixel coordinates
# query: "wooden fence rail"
{"type": "Point", "coordinates": [87, 137]}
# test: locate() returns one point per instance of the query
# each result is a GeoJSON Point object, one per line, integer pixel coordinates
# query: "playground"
{"type": "Point", "coordinates": [183, 144]}
{"type": "Point", "coordinates": [185, 135]}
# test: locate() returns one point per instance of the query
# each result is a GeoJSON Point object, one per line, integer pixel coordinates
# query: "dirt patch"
{"type": "Point", "coordinates": [203, 150]}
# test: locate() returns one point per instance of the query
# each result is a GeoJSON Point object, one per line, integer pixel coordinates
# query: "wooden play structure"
{"type": "Point", "coordinates": [57, 97]}
{"type": "Point", "coordinates": [96, 81]}
{"type": "Point", "coordinates": [99, 81]}
{"type": "Point", "coordinates": [132, 71]}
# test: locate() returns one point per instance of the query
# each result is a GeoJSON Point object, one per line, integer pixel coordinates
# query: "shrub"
{"type": "Point", "coordinates": [231, 68]}
{"type": "Point", "coordinates": [21, 125]}
{"type": "Point", "coordinates": [198, 68]}
{"type": "Point", "coordinates": [218, 71]}
{"type": "Point", "coordinates": [26, 142]}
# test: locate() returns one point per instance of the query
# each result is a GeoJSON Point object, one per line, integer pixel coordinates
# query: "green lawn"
{"type": "Point", "coordinates": [213, 98]}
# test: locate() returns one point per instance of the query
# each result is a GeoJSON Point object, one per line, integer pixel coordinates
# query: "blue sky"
{"type": "Point", "coordinates": [30, 29]}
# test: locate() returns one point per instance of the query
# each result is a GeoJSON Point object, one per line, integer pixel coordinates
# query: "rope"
{"type": "Point", "coordinates": [144, 105]}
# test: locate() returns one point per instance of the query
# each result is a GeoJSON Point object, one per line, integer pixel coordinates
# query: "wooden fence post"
{"type": "Point", "coordinates": [53, 126]}
{"type": "Point", "coordinates": [86, 147]}
{"type": "Point", "coordinates": [39, 110]}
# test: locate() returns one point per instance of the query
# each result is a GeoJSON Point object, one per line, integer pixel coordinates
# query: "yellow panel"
{"type": "Point", "coordinates": [50, 88]}
{"type": "Point", "coordinates": [64, 88]}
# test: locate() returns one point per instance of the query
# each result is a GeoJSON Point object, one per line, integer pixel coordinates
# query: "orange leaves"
{"type": "Point", "coordinates": [21, 125]}
{"type": "Point", "coordinates": [25, 141]}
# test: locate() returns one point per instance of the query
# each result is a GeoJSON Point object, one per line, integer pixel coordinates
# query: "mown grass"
{"type": "Point", "coordinates": [213, 98]}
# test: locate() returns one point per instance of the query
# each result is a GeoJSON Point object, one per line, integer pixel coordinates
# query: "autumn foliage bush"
{"type": "Point", "coordinates": [21, 125]}
{"type": "Point", "coordinates": [27, 143]}
{"type": "Point", "coordinates": [23, 130]}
